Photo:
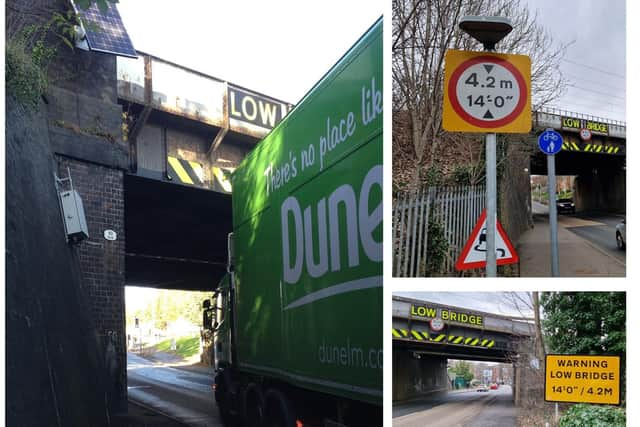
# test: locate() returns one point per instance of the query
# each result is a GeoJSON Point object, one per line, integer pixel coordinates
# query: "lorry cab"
{"type": "Point", "coordinates": [216, 319]}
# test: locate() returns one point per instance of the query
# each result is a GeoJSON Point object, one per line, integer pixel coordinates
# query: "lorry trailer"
{"type": "Point", "coordinates": [297, 321]}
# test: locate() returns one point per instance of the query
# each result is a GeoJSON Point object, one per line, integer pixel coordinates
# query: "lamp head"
{"type": "Point", "coordinates": [488, 30]}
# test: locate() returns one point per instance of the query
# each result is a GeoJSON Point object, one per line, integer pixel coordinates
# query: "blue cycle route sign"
{"type": "Point", "coordinates": [550, 142]}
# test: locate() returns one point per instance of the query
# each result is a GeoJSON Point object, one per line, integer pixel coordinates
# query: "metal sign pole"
{"type": "Point", "coordinates": [491, 204]}
{"type": "Point", "coordinates": [461, 112]}
{"type": "Point", "coordinates": [553, 215]}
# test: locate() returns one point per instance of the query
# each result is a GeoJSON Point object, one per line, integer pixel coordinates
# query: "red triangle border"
{"type": "Point", "coordinates": [461, 265]}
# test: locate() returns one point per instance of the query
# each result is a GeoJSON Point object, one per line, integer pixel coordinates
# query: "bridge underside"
{"type": "Point", "coordinates": [454, 351]}
{"type": "Point", "coordinates": [420, 356]}
{"type": "Point", "coordinates": [600, 179]}
{"type": "Point", "coordinates": [176, 235]}
{"type": "Point", "coordinates": [420, 369]}
{"type": "Point", "coordinates": [576, 163]}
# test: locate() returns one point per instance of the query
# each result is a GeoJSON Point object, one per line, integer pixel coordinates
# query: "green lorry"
{"type": "Point", "coordinates": [297, 321]}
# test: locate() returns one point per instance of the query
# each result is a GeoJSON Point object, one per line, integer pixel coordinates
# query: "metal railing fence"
{"type": "Point", "coordinates": [456, 209]}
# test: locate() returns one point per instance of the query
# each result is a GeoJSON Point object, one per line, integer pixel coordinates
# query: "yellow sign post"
{"type": "Point", "coordinates": [582, 379]}
{"type": "Point", "coordinates": [486, 92]}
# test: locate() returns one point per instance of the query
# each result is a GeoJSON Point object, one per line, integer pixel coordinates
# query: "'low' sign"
{"type": "Point", "coordinates": [579, 378]}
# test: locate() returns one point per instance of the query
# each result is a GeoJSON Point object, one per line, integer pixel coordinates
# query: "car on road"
{"type": "Point", "coordinates": [621, 234]}
{"type": "Point", "coordinates": [482, 388]}
{"type": "Point", "coordinates": [494, 386]}
{"type": "Point", "coordinates": [565, 205]}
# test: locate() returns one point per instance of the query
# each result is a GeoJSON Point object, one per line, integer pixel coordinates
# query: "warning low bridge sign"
{"type": "Point", "coordinates": [580, 378]}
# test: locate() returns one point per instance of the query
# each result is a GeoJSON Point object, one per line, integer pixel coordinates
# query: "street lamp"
{"type": "Point", "coordinates": [489, 30]}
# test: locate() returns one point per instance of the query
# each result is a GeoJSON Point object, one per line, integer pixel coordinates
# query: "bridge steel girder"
{"type": "Point", "coordinates": [402, 309]}
{"type": "Point", "coordinates": [453, 341]}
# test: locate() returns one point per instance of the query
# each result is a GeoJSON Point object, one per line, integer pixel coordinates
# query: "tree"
{"type": "Point", "coordinates": [585, 322]}
{"type": "Point", "coordinates": [423, 30]}
{"type": "Point", "coordinates": [463, 369]}
{"type": "Point", "coordinates": [170, 305]}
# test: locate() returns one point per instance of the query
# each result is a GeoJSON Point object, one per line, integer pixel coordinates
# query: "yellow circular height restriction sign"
{"type": "Point", "coordinates": [486, 92]}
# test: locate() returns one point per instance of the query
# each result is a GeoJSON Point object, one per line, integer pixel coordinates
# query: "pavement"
{"type": "Point", "coordinates": [578, 257]}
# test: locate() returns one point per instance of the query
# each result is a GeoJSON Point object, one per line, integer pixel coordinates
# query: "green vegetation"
{"type": "Point", "coordinates": [585, 322]}
{"type": "Point", "coordinates": [168, 306]}
{"type": "Point", "coordinates": [29, 50]}
{"type": "Point", "coordinates": [27, 60]}
{"type": "Point", "coordinates": [185, 346]}
{"type": "Point", "coordinates": [431, 176]}
{"type": "Point", "coordinates": [565, 194]}
{"type": "Point", "coordinates": [437, 247]}
{"type": "Point", "coordinates": [463, 369]}
{"type": "Point", "coordinates": [467, 174]}
{"type": "Point", "coordinates": [583, 415]}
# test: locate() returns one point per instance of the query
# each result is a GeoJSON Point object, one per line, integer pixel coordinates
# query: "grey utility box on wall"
{"type": "Point", "coordinates": [74, 221]}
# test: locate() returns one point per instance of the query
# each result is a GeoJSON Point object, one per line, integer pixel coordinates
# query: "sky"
{"type": "Point", "coordinates": [278, 48]}
{"type": "Point", "coordinates": [282, 48]}
{"type": "Point", "coordinates": [595, 60]}
{"type": "Point", "coordinates": [503, 303]}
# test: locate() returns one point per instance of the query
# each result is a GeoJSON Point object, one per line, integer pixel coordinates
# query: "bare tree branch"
{"type": "Point", "coordinates": [423, 31]}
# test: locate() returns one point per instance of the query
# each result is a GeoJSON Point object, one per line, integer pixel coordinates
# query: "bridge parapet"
{"type": "Point", "coordinates": [187, 127]}
{"type": "Point", "coordinates": [573, 122]}
{"type": "Point", "coordinates": [417, 310]}
{"type": "Point", "coordinates": [169, 87]}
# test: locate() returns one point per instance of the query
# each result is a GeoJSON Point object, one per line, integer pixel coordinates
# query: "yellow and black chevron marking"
{"type": "Point", "coordinates": [604, 149]}
{"type": "Point", "coordinates": [400, 333]}
{"type": "Point", "coordinates": [443, 338]}
{"type": "Point", "coordinates": [221, 179]}
{"type": "Point", "coordinates": [591, 148]}
{"type": "Point", "coordinates": [570, 146]}
{"type": "Point", "coordinates": [185, 171]}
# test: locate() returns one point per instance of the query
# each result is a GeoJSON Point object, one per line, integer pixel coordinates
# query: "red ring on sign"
{"type": "Point", "coordinates": [453, 96]}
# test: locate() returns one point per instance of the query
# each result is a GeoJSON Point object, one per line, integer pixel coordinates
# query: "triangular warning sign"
{"type": "Point", "coordinates": [474, 253]}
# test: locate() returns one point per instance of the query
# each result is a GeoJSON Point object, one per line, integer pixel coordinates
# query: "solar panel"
{"type": "Point", "coordinates": [105, 31]}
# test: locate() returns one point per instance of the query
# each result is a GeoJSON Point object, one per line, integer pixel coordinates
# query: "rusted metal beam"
{"type": "Point", "coordinates": [143, 117]}
{"type": "Point", "coordinates": [217, 141]}
{"type": "Point", "coordinates": [140, 122]}
{"type": "Point", "coordinates": [225, 127]}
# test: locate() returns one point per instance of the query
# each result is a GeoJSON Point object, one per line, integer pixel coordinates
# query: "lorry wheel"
{"type": "Point", "coordinates": [224, 398]}
{"type": "Point", "coordinates": [253, 406]}
{"type": "Point", "coordinates": [279, 410]}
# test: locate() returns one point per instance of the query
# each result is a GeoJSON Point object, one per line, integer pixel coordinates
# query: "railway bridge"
{"type": "Point", "coordinates": [426, 335]}
{"type": "Point", "coordinates": [186, 132]}
{"type": "Point", "coordinates": [594, 151]}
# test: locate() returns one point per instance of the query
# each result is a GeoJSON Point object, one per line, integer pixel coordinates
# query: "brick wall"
{"type": "Point", "coordinates": [101, 260]}
{"type": "Point", "coordinates": [83, 124]}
